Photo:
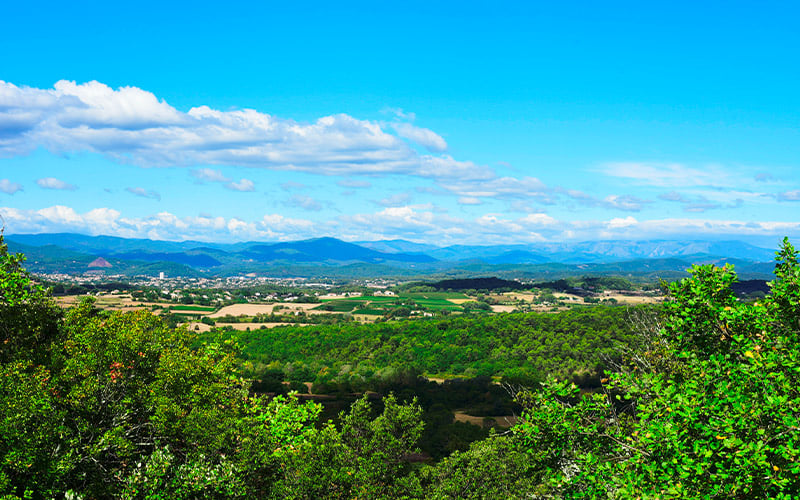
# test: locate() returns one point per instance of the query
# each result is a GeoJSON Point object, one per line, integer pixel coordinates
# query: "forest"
{"type": "Point", "coordinates": [523, 347]}
{"type": "Point", "coordinates": [698, 398]}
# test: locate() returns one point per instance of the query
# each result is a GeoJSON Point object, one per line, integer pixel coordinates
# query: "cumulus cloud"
{"type": "Point", "coordinates": [426, 138]}
{"type": "Point", "coordinates": [160, 226]}
{"type": "Point", "coordinates": [53, 183]}
{"type": "Point", "coordinates": [539, 220]}
{"type": "Point", "coordinates": [242, 185]}
{"type": "Point", "coordinates": [133, 125]}
{"type": "Point", "coordinates": [617, 223]}
{"type": "Point", "coordinates": [143, 193]}
{"type": "Point", "coordinates": [9, 187]}
{"type": "Point", "coordinates": [275, 226]}
{"type": "Point", "coordinates": [416, 222]}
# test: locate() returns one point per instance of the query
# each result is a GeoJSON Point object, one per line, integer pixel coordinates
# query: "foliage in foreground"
{"type": "Point", "coordinates": [709, 409]}
{"type": "Point", "coordinates": [120, 406]}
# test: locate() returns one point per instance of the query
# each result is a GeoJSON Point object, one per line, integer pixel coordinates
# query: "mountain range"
{"type": "Point", "coordinates": [73, 253]}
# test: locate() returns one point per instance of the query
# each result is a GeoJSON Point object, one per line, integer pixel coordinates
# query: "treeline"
{"type": "Point", "coordinates": [586, 284]}
{"type": "Point", "coordinates": [61, 289]}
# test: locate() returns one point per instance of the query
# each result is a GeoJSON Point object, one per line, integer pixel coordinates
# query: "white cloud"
{"type": "Point", "coordinates": [211, 175]}
{"type": "Point", "coordinates": [671, 174]}
{"type": "Point", "coordinates": [445, 167]}
{"type": "Point", "coordinates": [160, 226]}
{"type": "Point", "coordinates": [275, 226]}
{"type": "Point", "coordinates": [420, 223]}
{"type": "Point", "coordinates": [9, 187]}
{"type": "Point", "coordinates": [538, 219]}
{"type": "Point", "coordinates": [500, 187]}
{"type": "Point", "coordinates": [242, 185]}
{"type": "Point", "coordinates": [617, 223]}
{"type": "Point", "coordinates": [627, 203]}
{"type": "Point", "coordinates": [132, 125]}
{"type": "Point", "coordinates": [143, 193]}
{"type": "Point", "coordinates": [53, 183]}
{"type": "Point", "coordinates": [426, 138]}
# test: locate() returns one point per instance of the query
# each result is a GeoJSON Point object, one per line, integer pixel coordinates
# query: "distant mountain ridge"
{"type": "Point", "coordinates": [73, 253]}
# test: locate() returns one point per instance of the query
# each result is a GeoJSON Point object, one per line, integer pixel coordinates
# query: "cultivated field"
{"type": "Point", "coordinates": [253, 309]}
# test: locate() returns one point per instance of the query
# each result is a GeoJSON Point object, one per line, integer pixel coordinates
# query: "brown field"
{"type": "Point", "coordinates": [458, 302]}
{"type": "Point", "coordinates": [633, 299]}
{"type": "Point", "coordinates": [503, 309]}
{"type": "Point", "coordinates": [525, 297]}
{"type": "Point", "coordinates": [109, 302]}
{"type": "Point", "coordinates": [253, 309]}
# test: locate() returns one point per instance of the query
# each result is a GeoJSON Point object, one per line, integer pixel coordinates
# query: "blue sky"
{"type": "Point", "coordinates": [438, 122]}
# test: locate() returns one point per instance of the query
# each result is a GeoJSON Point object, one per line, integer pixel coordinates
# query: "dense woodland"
{"type": "Point", "coordinates": [521, 347]}
{"type": "Point", "coordinates": [697, 400]}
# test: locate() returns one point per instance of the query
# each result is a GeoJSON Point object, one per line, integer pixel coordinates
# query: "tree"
{"type": "Point", "coordinates": [119, 404]}
{"type": "Point", "coordinates": [366, 457]}
{"type": "Point", "coordinates": [29, 318]}
{"type": "Point", "coordinates": [709, 407]}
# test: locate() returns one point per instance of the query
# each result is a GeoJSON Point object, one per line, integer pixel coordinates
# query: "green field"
{"type": "Point", "coordinates": [371, 312]}
{"type": "Point", "coordinates": [193, 308]}
{"type": "Point", "coordinates": [435, 295]}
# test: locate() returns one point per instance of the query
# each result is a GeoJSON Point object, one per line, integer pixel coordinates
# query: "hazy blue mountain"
{"type": "Point", "coordinates": [54, 259]}
{"type": "Point", "coordinates": [467, 252]}
{"type": "Point", "coordinates": [397, 246]}
{"type": "Point", "coordinates": [106, 245]}
{"type": "Point", "coordinates": [517, 257]}
{"type": "Point", "coordinates": [72, 253]}
{"type": "Point", "coordinates": [192, 258]}
{"type": "Point", "coordinates": [326, 250]}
